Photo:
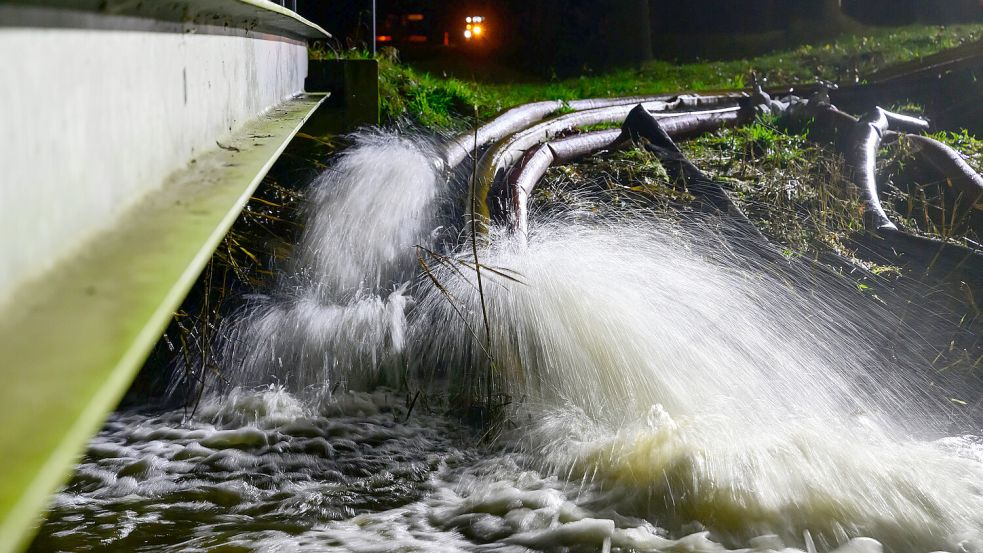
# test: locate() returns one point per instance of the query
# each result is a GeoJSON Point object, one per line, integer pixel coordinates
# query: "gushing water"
{"type": "Point", "coordinates": [697, 385]}
{"type": "Point", "coordinates": [671, 389]}
{"type": "Point", "coordinates": [614, 317]}
{"type": "Point", "coordinates": [365, 215]}
{"type": "Point", "coordinates": [339, 313]}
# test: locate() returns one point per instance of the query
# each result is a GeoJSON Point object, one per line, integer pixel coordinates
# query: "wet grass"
{"type": "Point", "coordinates": [437, 101]}
{"type": "Point", "coordinates": [797, 193]}
{"type": "Point", "coordinates": [610, 183]}
{"type": "Point", "coordinates": [919, 197]}
{"type": "Point", "coordinates": [801, 194]}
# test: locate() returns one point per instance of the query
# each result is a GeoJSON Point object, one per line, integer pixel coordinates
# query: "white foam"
{"type": "Point", "coordinates": [672, 390]}
{"type": "Point", "coordinates": [337, 315]}
{"type": "Point", "coordinates": [698, 386]}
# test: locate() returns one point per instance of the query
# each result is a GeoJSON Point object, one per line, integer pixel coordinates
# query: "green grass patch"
{"type": "Point", "coordinates": [419, 96]}
{"type": "Point", "coordinates": [436, 101]}
{"type": "Point", "coordinates": [966, 144]}
{"type": "Point", "coordinates": [918, 195]}
{"type": "Point", "coordinates": [797, 193]}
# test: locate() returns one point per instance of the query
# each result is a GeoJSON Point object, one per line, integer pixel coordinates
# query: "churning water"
{"type": "Point", "coordinates": [338, 314]}
{"type": "Point", "coordinates": [670, 388]}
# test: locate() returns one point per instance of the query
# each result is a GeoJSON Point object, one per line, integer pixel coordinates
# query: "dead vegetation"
{"type": "Point", "coordinates": [262, 237]}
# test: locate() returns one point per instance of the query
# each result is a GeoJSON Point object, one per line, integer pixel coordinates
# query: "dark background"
{"type": "Point", "coordinates": [571, 36]}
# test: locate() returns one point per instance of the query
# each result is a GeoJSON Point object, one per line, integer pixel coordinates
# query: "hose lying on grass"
{"type": "Point", "coordinates": [650, 134]}
{"type": "Point", "coordinates": [494, 164]}
{"type": "Point", "coordinates": [533, 165]}
{"type": "Point", "coordinates": [965, 184]}
{"type": "Point", "coordinates": [886, 242]}
{"type": "Point", "coordinates": [868, 134]}
{"type": "Point", "coordinates": [523, 116]}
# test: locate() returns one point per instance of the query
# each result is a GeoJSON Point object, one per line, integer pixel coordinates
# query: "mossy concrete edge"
{"type": "Point", "coordinates": [72, 341]}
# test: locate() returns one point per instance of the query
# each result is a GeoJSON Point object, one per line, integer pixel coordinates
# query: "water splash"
{"type": "Point", "coordinates": [699, 382]}
{"type": "Point", "coordinates": [615, 316]}
{"type": "Point", "coordinates": [664, 374]}
{"type": "Point", "coordinates": [365, 214]}
{"type": "Point", "coordinates": [338, 313]}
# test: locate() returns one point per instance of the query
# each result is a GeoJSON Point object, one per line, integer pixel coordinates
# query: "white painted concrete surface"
{"type": "Point", "coordinates": [92, 119]}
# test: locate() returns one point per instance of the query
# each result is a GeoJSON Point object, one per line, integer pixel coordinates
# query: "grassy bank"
{"type": "Point", "coordinates": [436, 101]}
{"type": "Point", "coordinates": [795, 192]}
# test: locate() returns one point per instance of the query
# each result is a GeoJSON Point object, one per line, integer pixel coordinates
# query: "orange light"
{"type": "Point", "coordinates": [475, 31]}
{"type": "Point", "coordinates": [417, 38]}
{"type": "Point", "coordinates": [384, 38]}
{"type": "Point", "coordinates": [414, 17]}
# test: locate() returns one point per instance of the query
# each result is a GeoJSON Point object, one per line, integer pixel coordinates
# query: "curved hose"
{"type": "Point", "coordinates": [507, 152]}
{"type": "Point", "coordinates": [867, 139]}
{"type": "Point", "coordinates": [535, 163]}
{"type": "Point", "coordinates": [966, 183]}
{"type": "Point", "coordinates": [945, 259]}
{"type": "Point", "coordinates": [521, 117]}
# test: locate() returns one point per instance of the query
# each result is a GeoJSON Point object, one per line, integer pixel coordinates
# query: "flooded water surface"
{"type": "Point", "coordinates": [665, 387]}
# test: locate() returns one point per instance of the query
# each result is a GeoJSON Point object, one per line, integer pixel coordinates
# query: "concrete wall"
{"type": "Point", "coordinates": [97, 110]}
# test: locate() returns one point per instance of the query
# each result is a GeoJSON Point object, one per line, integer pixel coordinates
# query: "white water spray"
{"type": "Point", "coordinates": [688, 382]}
{"type": "Point", "coordinates": [699, 386]}
{"type": "Point", "coordinates": [338, 315]}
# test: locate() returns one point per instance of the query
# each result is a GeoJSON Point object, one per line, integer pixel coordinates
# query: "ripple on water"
{"type": "Point", "coordinates": [245, 467]}
{"type": "Point", "coordinates": [261, 472]}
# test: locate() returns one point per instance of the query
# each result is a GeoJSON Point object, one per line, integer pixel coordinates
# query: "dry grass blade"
{"type": "Point", "coordinates": [425, 267]}
{"type": "Point", "coordinates": [498, 271]}
{"type": "Point", "coordinates": [474, 232]}
{"type": "Point", "coordinates": [448, 262]}
{"type": "Point", "coordinates": [453, 263]}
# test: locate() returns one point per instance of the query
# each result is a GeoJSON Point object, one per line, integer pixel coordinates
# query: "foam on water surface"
{"type": "Point", "coordinates": [696, 385]}
{"type": "Point", "coordinates": [267, 471]}
{"type": "Point", "coordinates": [672, 388]}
